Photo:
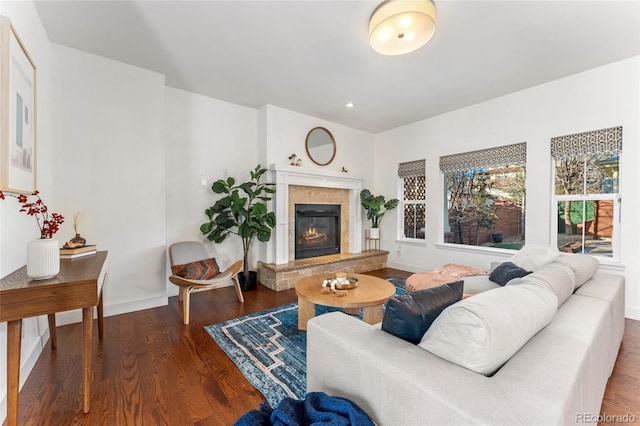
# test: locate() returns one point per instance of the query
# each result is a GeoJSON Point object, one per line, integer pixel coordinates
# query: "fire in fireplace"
{"type": "Point", "coordinates": [317, 230]}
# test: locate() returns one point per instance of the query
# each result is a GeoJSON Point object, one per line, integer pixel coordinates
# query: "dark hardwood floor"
{"type": "Point", "coordinates": [150, 369]}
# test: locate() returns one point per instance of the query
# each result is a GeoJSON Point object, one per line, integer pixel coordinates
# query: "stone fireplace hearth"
{"type": "Point", "coordinates": [284, 277]}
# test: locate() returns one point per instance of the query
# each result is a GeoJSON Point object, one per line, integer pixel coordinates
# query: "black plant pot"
{"type": "Point", "coordinates": [497, 237]}
{"type": "Point", "coordinates": [248, 283]}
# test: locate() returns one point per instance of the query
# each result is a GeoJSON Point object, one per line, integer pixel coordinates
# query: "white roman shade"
{"type": "Point", "coordinates": [491, 157]}
{"type": "Point", "coordinates": [581, 145]}
{"type": "Point", "coordinates": [412, 168]}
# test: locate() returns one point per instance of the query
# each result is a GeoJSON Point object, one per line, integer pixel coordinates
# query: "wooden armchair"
{"type": "Point", "coordinates": [191, 251]}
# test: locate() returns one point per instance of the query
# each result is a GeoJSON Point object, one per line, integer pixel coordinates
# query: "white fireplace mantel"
{"type": "Point", "coordinates": [284, 176]}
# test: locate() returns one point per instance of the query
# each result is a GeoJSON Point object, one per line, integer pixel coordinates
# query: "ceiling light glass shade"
{"type": "Point", "coordinates": [397, 27]}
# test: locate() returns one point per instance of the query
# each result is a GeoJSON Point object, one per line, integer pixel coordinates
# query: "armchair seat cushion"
{"type": "Point", "coordinates": [199, 270]}
{"type": "Point", "coordinates": [224, 276]}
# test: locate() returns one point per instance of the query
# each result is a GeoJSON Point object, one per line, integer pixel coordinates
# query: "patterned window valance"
{"type": "Point", "coordinates": [580, 145]}
{"type": "Point", "coordinates": [491, 157]}
{"type": "Point", "coordinates": [412, 168]}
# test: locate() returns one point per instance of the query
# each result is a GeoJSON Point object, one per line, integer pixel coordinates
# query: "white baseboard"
{"type": "Point", "coordinates": [72, 317]}
{"type": "Point", "coordinates": [406, 267]}
{"type": "Point", "coordinates": [632, 313]}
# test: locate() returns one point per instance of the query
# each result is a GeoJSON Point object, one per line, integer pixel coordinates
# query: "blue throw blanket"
{"type": "Point", "coordinates": [317, 408]}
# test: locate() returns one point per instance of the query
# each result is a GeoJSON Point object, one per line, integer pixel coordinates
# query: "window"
{"type": "Point", "coordinates": [412, 200]}
{"type": "Point", "coordinates": [485, 197]}
{"type": "Point", "coordinates": [586, 199]}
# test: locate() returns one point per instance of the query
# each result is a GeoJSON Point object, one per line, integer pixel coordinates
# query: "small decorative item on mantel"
{"type": "Point", "coordinates": [43, 254]}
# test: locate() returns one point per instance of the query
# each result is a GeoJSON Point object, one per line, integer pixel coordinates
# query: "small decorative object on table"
{"type": "Point", "coordinates": [76, 241]}
{"type": "Point", "coordinates": [43, 257]}
{"type": "Point", "coordinates": [339, 284]}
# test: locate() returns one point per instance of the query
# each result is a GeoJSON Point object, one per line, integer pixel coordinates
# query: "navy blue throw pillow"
{"type": "Point", "coordinates": [408, 316]}
{"type": "Point", "coordinates": [507, 271]}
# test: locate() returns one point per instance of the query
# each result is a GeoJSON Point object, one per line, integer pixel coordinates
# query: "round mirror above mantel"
{"type": "Point", "coordinates": [321, 146]}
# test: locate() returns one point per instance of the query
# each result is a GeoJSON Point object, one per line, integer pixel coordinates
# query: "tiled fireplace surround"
{"type": "Point", "coordinates": [314, 186]}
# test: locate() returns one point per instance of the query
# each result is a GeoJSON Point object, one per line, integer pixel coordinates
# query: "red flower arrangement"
{"type": "Point", "coordinates": [48, 224]}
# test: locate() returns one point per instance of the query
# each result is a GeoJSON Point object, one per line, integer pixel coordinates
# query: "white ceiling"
{"type": "Point", "coordinates": [313, 56]}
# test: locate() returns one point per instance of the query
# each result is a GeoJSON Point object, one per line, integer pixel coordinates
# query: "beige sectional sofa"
{"type": "Point", "coordinates": [554, 376]}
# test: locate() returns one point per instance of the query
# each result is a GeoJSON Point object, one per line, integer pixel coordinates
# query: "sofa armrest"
{"type": "Point", "coordinates": [397, 382]}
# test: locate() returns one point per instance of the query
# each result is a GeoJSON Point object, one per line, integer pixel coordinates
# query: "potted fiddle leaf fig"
{"type": "Point", "coordinates": [376, 206]}
{"type": "Point", "coordinates": [242, 211]}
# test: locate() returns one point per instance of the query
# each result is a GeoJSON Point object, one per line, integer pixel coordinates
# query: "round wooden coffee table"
{"type": "Point", "coordinates": [370, 295]}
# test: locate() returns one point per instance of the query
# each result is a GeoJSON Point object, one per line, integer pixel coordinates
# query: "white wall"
{"type": "Point", "coordinates": [603, 97]}
{"type": "Point", "coordinates": [287, 130]}
{"type": "Point", "coordinates": [16, 228]}
{"type": "Point", "coordinates": [110, 162]}
{"type": "Point", "coordinates": [205, 137]}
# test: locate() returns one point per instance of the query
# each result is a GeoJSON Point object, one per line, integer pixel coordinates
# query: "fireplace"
{"type": "Point", "coordinates": [317, 230]}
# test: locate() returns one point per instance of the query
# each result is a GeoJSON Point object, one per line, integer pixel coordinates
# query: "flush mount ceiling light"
{"type": "Point", "coordinates": [397, 27]}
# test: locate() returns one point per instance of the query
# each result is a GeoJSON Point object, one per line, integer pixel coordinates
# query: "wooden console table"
{"type": "Point", "coordinates": [77, 286]}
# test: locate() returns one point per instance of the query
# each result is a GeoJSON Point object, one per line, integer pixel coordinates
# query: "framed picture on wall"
{"type": "Point", "coordinates": [17, 113]}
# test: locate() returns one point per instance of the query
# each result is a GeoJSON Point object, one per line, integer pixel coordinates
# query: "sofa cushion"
{"type": "Point", "coordinates": [583, 266]}
{"type": "Point", "coordinates": [506, 272]}
{"type": "Point", "coordinates": [555, 277]}
{"type": "Point", "coordinates": [482, 332]}
{"type": "Point", "coordinates": [409, 315]}
{"type": "Point", "coordinates": [478, 284]}
{"type": "Point", "coordinates": [531, 257]}
{"type": "Point", "coordinates": [198, 270]}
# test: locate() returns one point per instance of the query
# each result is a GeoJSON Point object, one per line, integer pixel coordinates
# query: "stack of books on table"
{"type": "Point", "coordinates": [72, 253]}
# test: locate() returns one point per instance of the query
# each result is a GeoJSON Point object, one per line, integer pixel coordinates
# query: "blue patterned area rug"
{"type": "Point", "coordinates": [269, 349]}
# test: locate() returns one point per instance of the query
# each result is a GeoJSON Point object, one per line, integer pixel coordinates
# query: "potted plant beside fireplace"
{"type": "Point", "coordinates": [241, 211]}
{"type": "Point", "coordinates": [376, 206]}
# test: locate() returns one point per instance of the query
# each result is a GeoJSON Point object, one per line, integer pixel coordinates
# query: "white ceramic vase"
{"type": "Point", "coordinates": [43, 258]}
